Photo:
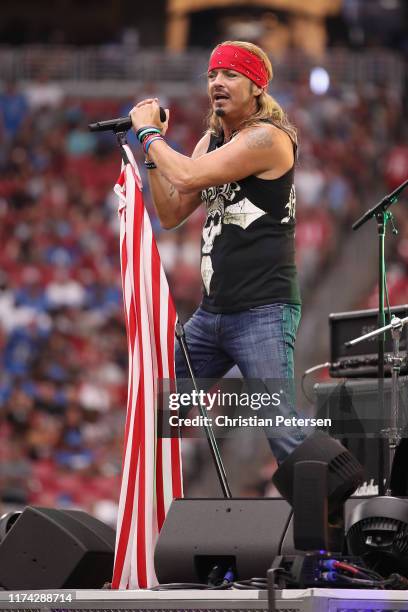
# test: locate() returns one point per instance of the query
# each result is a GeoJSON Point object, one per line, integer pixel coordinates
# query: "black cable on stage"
{"type": "Point", "coordinates": [196, 586]}
{"type": "Point", "coordinates": [320, 366]}
{"type": "Point", "coordinates": [252, 583]}
{"type": "Point", "coordinates": [368, 578]}
{"type": "Point", "coordinates": [284, 532]}
{"type": "Point", "coordinates": [302, 385]}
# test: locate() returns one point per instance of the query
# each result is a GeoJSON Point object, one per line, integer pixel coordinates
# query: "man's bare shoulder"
{"type": "Point", "coordinates": [265, 136]}
{"type": "Point", "coordinates": [201, 147]}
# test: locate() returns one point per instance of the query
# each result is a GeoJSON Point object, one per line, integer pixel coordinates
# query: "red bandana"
{"type": "Point", "coordinates": [242, 61]}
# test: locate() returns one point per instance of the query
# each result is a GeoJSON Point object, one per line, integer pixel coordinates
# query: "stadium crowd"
{"type": "Point", "coordinates": [63, 380]}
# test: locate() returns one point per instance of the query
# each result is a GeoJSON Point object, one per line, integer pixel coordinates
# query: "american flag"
{"type": "Point", "coordinates": [151, 476]}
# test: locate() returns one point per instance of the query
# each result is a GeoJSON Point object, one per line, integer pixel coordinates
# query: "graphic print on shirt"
{"type": "Point", "coordinates": [221, 211]}
{"type": "Point", "coordinates": [291, 206]}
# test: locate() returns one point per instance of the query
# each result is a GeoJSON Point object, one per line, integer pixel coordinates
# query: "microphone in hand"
{"type": "Point", "coordinates": [120, 124]}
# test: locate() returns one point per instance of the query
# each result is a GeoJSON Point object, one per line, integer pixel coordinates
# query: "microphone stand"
{"type": "Point", "coordinates": [382, 215]}
{"type": "Point", "coordinates": [215, 453]}
{"type": "Point", "coordinates": [394, 431]}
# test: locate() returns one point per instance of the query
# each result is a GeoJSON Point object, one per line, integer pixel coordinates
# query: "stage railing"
{"type": "Point", "coordinates": [121, 63]}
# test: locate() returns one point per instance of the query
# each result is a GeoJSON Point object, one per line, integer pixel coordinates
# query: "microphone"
{"type": "Point", "coordinates": [120, 124]}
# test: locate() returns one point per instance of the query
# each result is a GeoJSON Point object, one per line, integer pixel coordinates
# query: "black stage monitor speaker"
{"type": "Point", "coordinates": [53, 549]}
{"type": "Point", "coordinates": [244, 534]}
{"type": "Point", "coordinates": [356, 422]}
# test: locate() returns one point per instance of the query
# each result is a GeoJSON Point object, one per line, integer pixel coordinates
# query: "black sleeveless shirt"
{"type": "Point", "coordinates": [247, 246]}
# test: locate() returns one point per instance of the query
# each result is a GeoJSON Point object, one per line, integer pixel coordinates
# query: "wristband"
{"type": "Point", "coordinates": [150, 165]}
{"type": "Point", "coordinates": [145, 131]}
{"type": "Point", "coordinates": [148, 142]}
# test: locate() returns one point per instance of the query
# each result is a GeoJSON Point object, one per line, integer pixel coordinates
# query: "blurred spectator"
{"type": "Point", "coordinates": [63, 290]}
{"type": "Point", "coordinates": [43, 93]}
{"type": "Point", "coordinates": [310, 182]}
{"type": "Point", "coordinates": [396, 165]}
{"type": "Point", "coordinates": [13, 109]}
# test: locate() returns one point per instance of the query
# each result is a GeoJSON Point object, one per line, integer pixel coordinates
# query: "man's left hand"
{"type": "Point", "coordinates": [145, 113]}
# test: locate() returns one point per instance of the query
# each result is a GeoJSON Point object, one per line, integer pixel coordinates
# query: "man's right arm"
{"type": "Point", "coordinates": [172, 207]}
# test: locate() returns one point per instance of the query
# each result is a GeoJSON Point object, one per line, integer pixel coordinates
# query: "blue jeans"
{"type": "Point", "coordinates": [260, 341]}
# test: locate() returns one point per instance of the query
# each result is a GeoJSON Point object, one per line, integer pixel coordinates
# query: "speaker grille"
{"type": "Point", "coordinates": [401, 540]}
{"type": "Point", "coordinates": [359, 532]}
{"type": "Point", "coordinates": [345, 465]}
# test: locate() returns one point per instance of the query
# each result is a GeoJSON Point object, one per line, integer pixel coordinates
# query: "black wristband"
{"type": "Point", "coordinates": [145, 131]}
{"type": "Point", "coordinates": [150, 165]}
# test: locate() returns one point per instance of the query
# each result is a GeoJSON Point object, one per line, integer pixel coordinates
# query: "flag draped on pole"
{"type": "Point", "coordinates": [151, 471]}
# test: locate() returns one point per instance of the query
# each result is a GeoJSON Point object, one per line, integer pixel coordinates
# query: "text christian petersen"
{"type": "Point", "coordinates": [253, 401]}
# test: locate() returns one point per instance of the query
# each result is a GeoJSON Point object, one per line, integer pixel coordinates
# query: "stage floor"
{"type": "Point", "coordinates": [288, 600]}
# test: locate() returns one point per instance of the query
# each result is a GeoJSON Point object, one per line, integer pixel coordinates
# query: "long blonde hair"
{"type": "Point", "coordinates": [268, 107]}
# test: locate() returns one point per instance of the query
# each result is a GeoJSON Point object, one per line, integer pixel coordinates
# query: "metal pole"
{"type": "Point", "coordinates": [394, 434]}
{"type": "Point", "coordinates": [381, 221]}
{"type": "Point", "coordinates": [219, 466]}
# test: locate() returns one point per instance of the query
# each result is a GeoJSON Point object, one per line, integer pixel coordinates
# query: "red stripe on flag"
{"type": "Point", "coordinates": [156, 265]}
{"type": "Point", "coordinates": [141, 529]}
{"type": "Point", "coordinates": [130, 332]}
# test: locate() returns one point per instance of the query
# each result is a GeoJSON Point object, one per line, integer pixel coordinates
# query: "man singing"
{"type": "Point", "coordinates": [243, 171]}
